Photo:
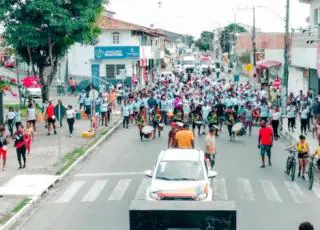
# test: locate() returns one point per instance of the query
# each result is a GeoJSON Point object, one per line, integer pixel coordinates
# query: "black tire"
{"type": "Point", "coordinates": [293, 170]}
{"type": "Point", "coordinates": [288, 165]}
{"type": "Point", "coordinates": [311, 176]}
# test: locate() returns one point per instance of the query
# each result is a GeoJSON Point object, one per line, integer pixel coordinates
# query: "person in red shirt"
{"type": "Point", "coordinates": [50, 118]}
{"type": "Point", "coordinates": [265, 142]}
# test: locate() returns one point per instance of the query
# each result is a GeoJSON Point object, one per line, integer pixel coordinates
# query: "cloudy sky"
{"type": "Point", "coordinates": [194, 16]}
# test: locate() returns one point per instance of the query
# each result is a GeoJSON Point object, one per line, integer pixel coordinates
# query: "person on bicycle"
{"type": "Point", "coordinates": [210, 145]}
{"type": "Point", "coordinates": [302, 148]}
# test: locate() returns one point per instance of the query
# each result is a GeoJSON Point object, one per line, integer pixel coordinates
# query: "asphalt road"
{"type": "Point", "coordinates": [97, 196]}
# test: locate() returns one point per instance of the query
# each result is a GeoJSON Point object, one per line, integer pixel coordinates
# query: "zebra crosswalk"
{"type": "Point", "coordinates": [117, 189]}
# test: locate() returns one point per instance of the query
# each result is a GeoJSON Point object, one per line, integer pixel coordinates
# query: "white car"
{"type": "Point", "coordinates": [33, 92]}
{"type": "Point", "coordinates": [180, 174]}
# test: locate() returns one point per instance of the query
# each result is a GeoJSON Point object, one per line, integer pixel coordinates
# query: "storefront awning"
{"type": "Point", "coordinates": [268, 64]}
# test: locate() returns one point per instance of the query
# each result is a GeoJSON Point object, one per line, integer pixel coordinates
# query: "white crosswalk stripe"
{"type": "Point", "coordinates": [245, 189]}
{"type": "Point", "coordinates": [70, 192]}
{"type": "Point", "coordinates": [270, 191]}
{"type": "Point", "coordinates": [219, 189]}
{"type": "Point", "coordinates": [295, 192]}
{"type": "Point", "coordinates": [120, 189]}
{"type": "Point", "coordinates": [94, 191]}
{"type": "Point", "coordinates": [140, 195]}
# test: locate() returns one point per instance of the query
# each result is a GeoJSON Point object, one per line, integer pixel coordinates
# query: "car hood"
{"type": "Point", "coordinates": [178, 188]}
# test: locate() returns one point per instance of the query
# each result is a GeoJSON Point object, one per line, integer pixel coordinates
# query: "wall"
{"type": "Point", "coordinates": [79, 60]}
{"type": "Point", "coordinates": [297, 81]}
{"type": "Point", "coordinates": [304, 57]}
{"type": "Point", "coordinates": [106, 38]}
{"type": "Point", "coordinates": [274, 55]}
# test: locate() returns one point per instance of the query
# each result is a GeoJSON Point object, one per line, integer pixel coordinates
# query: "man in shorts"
{"type": "Point", "coordinates": [210, 146]}
{"type": "Point", "coordinates": [265, 142]}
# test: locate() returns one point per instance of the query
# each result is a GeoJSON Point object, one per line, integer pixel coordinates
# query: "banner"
{"type": "Point", "coordinates": [116, 52]}
{"type": "Point", "coordinates": [95, 71]}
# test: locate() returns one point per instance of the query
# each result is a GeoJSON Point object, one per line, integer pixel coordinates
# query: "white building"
{"type": "Point", "coordinates": [123, 51]}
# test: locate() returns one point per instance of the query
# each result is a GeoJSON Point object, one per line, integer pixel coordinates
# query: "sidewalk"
{"type": "Point", "coordinates": [45, 157]}
{"type": "Point", "coordinates": [293, 137]}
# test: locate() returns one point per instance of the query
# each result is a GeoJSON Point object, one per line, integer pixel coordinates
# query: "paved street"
{"type": "Point", "coordinates": [98, 194]}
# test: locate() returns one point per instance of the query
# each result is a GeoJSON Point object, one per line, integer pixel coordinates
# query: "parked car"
{"type": "Point", "coordinates": [180, 174]}
{"type": "Point", "coordinates": [31, 87]}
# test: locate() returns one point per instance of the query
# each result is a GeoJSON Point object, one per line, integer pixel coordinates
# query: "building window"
{"type": "Point", "coordinates": [317, 16]}
{"type": "Point", "coordinates": [143, 40]}
{"type": "Point", "coordinates": [110, 70]}
{"type": "Point", "coordinates": [116, 38]}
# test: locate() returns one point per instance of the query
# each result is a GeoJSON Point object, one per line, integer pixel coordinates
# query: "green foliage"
{"type": "Point", "coordinates": [189, 40]}
{"type": "Point", "coordinates": [245, 58]}
{"type": "Point", "coordinates": [42, 31]}
{"type": "Point", "coordinates": [167, 52]}
{"type": "Point", "coordinates": [204, 43]}
{"type": "Point", "coordinates": [227, 36]}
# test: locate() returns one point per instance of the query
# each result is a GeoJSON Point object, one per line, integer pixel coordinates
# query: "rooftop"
{"type": "Point", "coordinates": [110, 23]}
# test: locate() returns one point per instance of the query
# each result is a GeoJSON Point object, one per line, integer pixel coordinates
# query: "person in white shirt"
{"type": "Point", "coordinates": [275, 121]}
{"type": "Point", "coordinates": [104, 111]}
{"type": "Point", "coordinates": [125, 113]}
{"type": "Point", "coordinates": [206, 109]}
{"type": "Point", "coordinates": [70, 113]}
{"type": "Point", "coordinates": [10, 120]}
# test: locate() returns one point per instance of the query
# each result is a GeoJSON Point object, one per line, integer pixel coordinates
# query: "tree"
{"type": "Point", "coordinates": [204, 43]}
{"type": "Point", "coordinates": [245, 58]}
{"type": "Point", "coordinates": [227, 36]}
{"type": "Point", "coordinates": [42, 31]}
{"type": "Point", "coordinates": [189, 40]}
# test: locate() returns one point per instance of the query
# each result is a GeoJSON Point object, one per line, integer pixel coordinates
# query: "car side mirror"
{"type": "Point", "coordinates": [212, 174]}
{"type": "Point", "coordinates": [148, 173]}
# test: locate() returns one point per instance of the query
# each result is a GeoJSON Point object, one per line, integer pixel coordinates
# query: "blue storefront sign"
{"type": "Point", "coordinates": [95, 71]}
{"type": "Point", "coordinates": [116, 52]}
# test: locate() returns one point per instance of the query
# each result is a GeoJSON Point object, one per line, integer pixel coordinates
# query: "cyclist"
{"type": "Point", "coordinates": [303, 149]}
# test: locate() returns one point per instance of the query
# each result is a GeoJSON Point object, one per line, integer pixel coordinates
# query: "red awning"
{"type": "Point", "coordinates": [268, 64]}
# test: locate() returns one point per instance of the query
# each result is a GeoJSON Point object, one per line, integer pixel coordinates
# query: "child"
{"type": "Point", "coordinates": [28, 136]}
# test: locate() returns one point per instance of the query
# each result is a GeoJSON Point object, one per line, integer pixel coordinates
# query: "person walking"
{"type": "Point", "coordinates": [20, 146]}
{"type": "Point", "coordinates": [125, 110]}
{"type": "Point", "coordinates": [28, 136]}
{"type": "Point", "coordinates": [82, 96]}
{"type": "Point", "coordinates": [10, 120]}
{"type": "Point", "coordinates": [87, 105]}
{"type": "Point", "coordinates": [275, 121]}
{"type": "Point", "coordinates": [4, 141]}
{"type": "Point", "coordinates": [31, 115]}
{"type": "Point", "coordinates": [291, 114]}
{"type": "Point", "coordinates": [50, 118]}
{"type": "Point", "coordinates": [265, 142]}
{"type": "Point", "coordinates": [104, 111]}
{"type": "Point", "coordinates": [17, 118]}
{"type": "Point", "coordinates": [210, 145]}
{"type": "Point", "coordinates": [70, 113]}
{"type": "Point", "coordinates": [304, 112]}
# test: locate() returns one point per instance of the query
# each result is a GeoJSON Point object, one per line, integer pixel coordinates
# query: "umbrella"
{"type": "Point", "coordinates": [31, 82]}
{"type": "Point", "coordinates": [84, 84]}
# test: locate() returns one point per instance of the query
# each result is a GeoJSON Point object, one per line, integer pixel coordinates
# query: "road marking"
{"type": "Point", "coordinates": [120, 189]}
{"type": "Point", "coordinates": [108, 174]}
{"type": "Point", "coordinates": [141, 193]}
{"type": "Point", "coordinates": [295, 192]}
{"type": "Point", "coordinates": [94, 191]}
{"type": "Point", "coordinates": [270, 191]}
{"type": "Point", "coordinates": [316, 189]}
{"type": "Point", "coordinates": [219, 189]}
{"type": "Point", "coordinates": [245, 188]}
{"type": "Point", "coordinates": [70, 192]}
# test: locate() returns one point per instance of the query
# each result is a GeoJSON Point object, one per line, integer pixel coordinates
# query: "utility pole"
{"type": "Point", "coordinates": [254, 46]}
{"type": "Point", "coordinates": [286, 60]}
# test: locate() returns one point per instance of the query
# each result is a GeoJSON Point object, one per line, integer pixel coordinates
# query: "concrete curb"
{"type": "Point", "coordinates": [35, 199]}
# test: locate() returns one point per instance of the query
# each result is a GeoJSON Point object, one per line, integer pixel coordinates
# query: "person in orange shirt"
{"type": "Point", "coordinates": [185, 138]}
{"type": "Point", "coordinates": [113, 96]}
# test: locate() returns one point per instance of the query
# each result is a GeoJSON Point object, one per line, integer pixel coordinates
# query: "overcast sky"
{"type": "Point", "coordinates": [194, 16]}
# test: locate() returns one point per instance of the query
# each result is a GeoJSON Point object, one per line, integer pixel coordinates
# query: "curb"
{"type": "Point", "coordinates": [35, 199]}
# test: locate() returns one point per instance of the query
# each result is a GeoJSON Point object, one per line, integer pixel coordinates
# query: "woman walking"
{"type": "Point", "coordinates": [10, 120]}
{"type": "Point", "coordinates": [28, 136]}
{"type": "Point", "coordinates": [4, 140]}
{"type": "Point", "coordinates": [70, 113]}
{"type": "Point", "coordinates": [20, 146]}
{"type": "Point", "coordinates": [31, 116]}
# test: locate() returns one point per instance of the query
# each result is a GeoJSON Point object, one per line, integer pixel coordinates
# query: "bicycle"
{"type": "Point", "coordinates": [311, 172]}
{"type": "Point", "coordinates": [291, 164]}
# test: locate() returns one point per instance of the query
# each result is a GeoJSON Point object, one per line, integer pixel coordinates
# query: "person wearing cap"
{"type": "Point", "coordinates": [210, 145]}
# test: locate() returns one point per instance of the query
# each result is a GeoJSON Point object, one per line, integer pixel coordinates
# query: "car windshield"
{"type": "Point", "coordinates": [180, 170]}
{"type": "Point", "coordinates": [188, 62]}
